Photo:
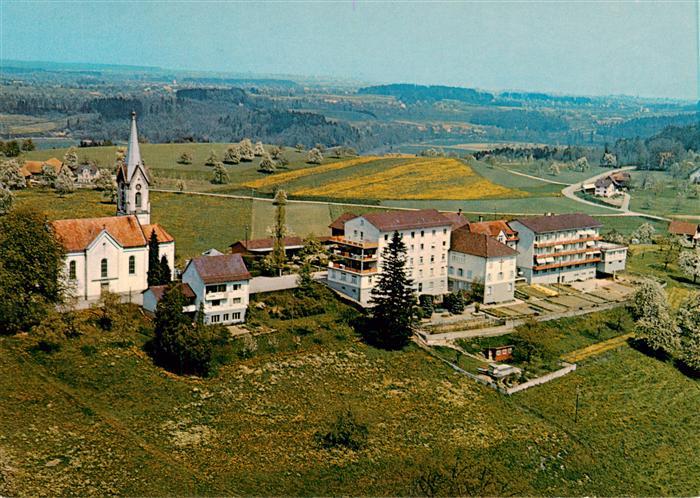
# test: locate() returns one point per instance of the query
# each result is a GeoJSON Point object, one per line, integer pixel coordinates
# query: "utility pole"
{"type": "Point", "coordinates": [578, 392]}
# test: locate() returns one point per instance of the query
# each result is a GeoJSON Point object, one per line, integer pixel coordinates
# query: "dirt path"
{"type": "Point", "coordinates": [596, 349]}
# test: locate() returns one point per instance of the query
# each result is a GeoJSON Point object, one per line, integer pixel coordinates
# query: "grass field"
{"type": "Point", "coordinates": [96, 418]}
{"type": "Point", "coordinates": [664, 198]}
{"type": "Point", "coordinates": [501, 207]}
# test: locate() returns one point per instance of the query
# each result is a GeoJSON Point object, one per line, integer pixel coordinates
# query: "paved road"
{"type": "Point", "coordinates": [623, 210]}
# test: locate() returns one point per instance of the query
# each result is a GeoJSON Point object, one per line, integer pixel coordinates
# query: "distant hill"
{"type": "Point", "coordinates": [414, 93]}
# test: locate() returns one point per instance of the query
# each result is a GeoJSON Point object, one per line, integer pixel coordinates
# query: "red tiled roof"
{"type": "Point", "coordinates": [267, 244]}
{"type": "Point", "coordinates": [478, 244]}
{"type": "Point", "coordinates": [683, 228]}
{"type": "Point", "coordinates": [389, 221]}
{"type": "Point", "coordinates": [159, 290]}
{"type": "Point", "coordinates": [78, 233]}
{"type": "Point", "coordinates": [162, 235]}
{"type": "Point", "coordinates": [220, 269]}
{"type": "Point", "coordinates": [458, 220]}
{"type": "Point", "coordinates": [557, 222]}
{"type": "Point", "coordinates": [492, 228]}
{"type": "Point", "coordinates": [36, 167]}
{"type": "Point", "coordinates": [339, 222]}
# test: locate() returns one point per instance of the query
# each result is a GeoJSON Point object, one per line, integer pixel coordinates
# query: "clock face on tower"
{"type": "Point", "coordinates": [138, 186]}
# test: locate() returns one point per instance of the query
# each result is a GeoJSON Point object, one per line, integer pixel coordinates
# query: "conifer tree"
{"type": "Point", "coordinates": [165, 273]}
{"type": "Point", "coordinates": [393, 299]}
{"type": "Point", "coordinates": [154, 268]}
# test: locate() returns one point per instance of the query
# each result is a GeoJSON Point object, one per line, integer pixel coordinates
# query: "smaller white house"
{"type": "Point", "coordinates": [222, 284]}
{"type": "Point", "coordinates": [479, 258]}
{"type": "Point", "coordinates": [153, 295]}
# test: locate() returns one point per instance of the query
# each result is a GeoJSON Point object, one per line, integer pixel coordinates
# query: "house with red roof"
{"type": "Point", "coordinates": [358, 252]}
{"type": "Point", "coordinates": [220, 284]}
{"type": "Point", "coordinates": [480, 259]}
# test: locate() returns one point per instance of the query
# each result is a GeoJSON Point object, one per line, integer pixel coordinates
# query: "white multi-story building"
{"type": "Point", "coordinates": [477, 258]}
{"type": "Point", "coordinates": [222, 284]}
{"type": "Point", "coordinates": [111, 253]}
{"type": "Point", "coordinates": [613, 258]}
{"type": "Point", "coordinates": [558, 248]}
{"type": "Point", "coordinates": [426, 234]}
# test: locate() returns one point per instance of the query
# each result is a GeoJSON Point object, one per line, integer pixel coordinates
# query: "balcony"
{"type": "Point", "coordinates": [565, 264]}
{"type": "Point", "coordinates": [356, 256]}
{"type": "Point", "coordinates": [562, 243]}
{"type": "Point", "coordinates": [586, 250]}
{"type": "Point", "coordinates": [211, 296]}
{"type": "Point", "coordinates": [352, 243]}
{"type": "Point", "coordinates": [356, 271]}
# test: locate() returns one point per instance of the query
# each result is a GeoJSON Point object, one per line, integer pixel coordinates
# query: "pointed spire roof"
{"type": "Point", "coordinates": [133, 154]}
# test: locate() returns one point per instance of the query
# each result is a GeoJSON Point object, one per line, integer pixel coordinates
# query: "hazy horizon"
{"type": "Point", "coordinates": [576, 48]}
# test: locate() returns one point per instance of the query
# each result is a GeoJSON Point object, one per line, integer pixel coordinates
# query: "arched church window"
{"type": "Point", "coordinates": [103, 268]}
{"type": "Point", "coordinates": [138, 199]}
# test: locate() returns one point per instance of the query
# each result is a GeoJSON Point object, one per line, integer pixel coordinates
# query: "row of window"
{"type": "Point", "coordinates": [221, 302]}
{"type": "Point", "coordinates": [460, 273]}
{"type": "Point", "coordinates": [210, 289]}
{"type": "Point", "coordinates": [104, 268]}
{"type": "Point", "coordinates": [568, 235]}
{"type": "Point", "coordinates": [225, 318]}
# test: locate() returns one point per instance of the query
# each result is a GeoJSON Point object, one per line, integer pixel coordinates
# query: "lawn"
{"type": "Point", "coordinates": [96, 418]}
{"type": "Point", "coordinates": [665, 197]}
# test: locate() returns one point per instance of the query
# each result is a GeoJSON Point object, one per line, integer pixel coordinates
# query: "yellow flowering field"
{"type": "Point", "coordinates": [439, 178]}
{"type": "Point", "coordinates": [289, 176]}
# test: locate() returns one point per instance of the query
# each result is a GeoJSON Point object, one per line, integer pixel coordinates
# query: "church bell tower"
{"type": "Point", "coordinates": [133, 181]}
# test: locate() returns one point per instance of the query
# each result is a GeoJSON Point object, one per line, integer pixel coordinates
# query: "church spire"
{"type": "Point", "coordinates": [133, 154]}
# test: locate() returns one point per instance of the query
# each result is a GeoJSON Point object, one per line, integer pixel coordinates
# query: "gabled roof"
{"type": "Point", "coordinates": [492, 228]}
{"type": "Point", "coordinates": [162, 235]}
{"type": "Point", "coordinates": [159, 290]}
{"type": "Point", "coordinates": [604, 182]}
{"type": "Point", "coordinates": [683, 228]}
{"type": "Point", "coordinates": [478, 244]}
{"type": "Point", "coordinates": [389, 221]}
{"type": "Point", "coordinates": [267, 244]}
{"type": "Point", "coordinates": [339, 222]}
{"type": "Point", "coordinates": [78, 233]}
{"type": "Point", "coordinates": [220, 269]}
{"type": "Point", "coordinates": [457, 220]}
{"type": "Point", "coordinates": [558, 222]}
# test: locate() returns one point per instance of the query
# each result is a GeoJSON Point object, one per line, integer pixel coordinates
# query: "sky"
{"type": "Point", "coordinates": [584, 48]}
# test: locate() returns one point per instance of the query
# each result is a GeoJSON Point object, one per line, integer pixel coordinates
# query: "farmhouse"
{"type": "Point", "coordinates": [426, 234]}
{"type": "Point", "coordinates": [605, 187]}
{"type": "Point", "coordinates": [477, 258]}
{"type": "Point", "coordinates": [221, 285]}
{"type": "Point", "coordinates": [111, 253]}
{"type": "Point", "coordinates": [34, 170]}
{"type": "Point", "coordinates": [689, 231]}
{"type": "Point", "coordinates": [558, 248]}
{"type": "Point", "coordinates": [86, 174]}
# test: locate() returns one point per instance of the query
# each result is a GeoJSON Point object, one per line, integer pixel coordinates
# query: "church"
{"type": "Point", "coordinates": [111, 253]}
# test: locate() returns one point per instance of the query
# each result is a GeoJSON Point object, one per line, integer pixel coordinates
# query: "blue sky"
{"type": "Point", "coordinates": [635, 48]}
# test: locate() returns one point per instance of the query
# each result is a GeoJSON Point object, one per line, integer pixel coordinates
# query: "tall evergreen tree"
{"type": "Point", "coordinates": [393, 299]}
{"type": "Point", "coordinates": [154, 268]}
{"type": "Point", "coordinates": [165, 271]}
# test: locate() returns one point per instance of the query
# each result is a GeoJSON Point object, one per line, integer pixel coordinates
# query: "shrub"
{"type": "Point", "coordinates": [454, 303]}
{"type": "Point", "coordinates": [426, 304]}
{"type": "Point", "coordinates": [345, 432]}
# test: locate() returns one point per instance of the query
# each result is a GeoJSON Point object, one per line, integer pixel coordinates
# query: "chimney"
{"type": "Point", "coordinates": [481, 217]}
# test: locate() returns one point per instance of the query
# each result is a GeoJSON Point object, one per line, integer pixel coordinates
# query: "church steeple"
{"type": "Point", "coordinates": [133, 181]}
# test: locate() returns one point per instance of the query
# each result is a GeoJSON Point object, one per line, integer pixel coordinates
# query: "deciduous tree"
{"type": "Point", "coordinates": [10, 175]}
{"type": "Point", "coordinates": [70, 158]}
{"type": "Point", "coordinates": [65, 183]}
{"type": "Point", "coordinates": [314, 156]}
{"type": "Point", "coordinates": [233, 154]}
{"type": "Point", "coordinates": [259, 150]}
{"type": "Point", "coordinates": [6, 199]}
{"type": "Point", "coordinates": [689, 263]}
{"type": "Point", "coordinates": [220, 175]}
